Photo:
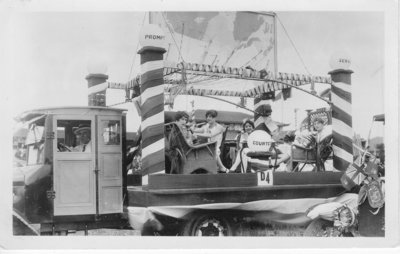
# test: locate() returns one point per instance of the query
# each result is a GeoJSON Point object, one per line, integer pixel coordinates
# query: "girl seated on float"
{"type": "Point", "coordinates": [181, 119]}
{"type": "Point", "coordinates": [248, 127]}
{"type": "Point", "coordinates": [285, 156]}
{"type": "Point", "coordinates": [213, 132]}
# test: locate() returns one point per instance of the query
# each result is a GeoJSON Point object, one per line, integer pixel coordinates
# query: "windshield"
{"type": "Point", "coordinates": [29, 142]}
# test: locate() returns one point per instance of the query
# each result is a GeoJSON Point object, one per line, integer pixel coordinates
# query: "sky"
{"type": "Point", "coordinates": [50, 53]}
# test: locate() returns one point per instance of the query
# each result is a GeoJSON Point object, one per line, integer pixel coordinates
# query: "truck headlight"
{"type": "Point", "coordinates": [344, 217]}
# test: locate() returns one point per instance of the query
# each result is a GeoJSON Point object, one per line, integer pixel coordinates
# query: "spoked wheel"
{"type": "Point", "coordinates": [208, 225]}
{"type": "Point", "coordinates": [324, 228]}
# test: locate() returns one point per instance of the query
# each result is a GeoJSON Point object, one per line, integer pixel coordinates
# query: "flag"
{"type": "Point", "coordinates": [278, 96]}
{"type": "Point", "coordinates": [353, 176]}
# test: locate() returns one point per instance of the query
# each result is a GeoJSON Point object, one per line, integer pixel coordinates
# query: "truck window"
{"type": "Point", "coordinates": [74, 136]}
{"type": "Point", "coordinates": [111, 132]}
{"type": "Point", "coordinates": [35, 142]}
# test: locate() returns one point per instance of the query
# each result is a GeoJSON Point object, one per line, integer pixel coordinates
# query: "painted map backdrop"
{"type": "Point", "coordinates": [235, 39]}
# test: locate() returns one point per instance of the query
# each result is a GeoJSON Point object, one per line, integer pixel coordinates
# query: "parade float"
{"type": "Point", "coordinates": [68, 190]}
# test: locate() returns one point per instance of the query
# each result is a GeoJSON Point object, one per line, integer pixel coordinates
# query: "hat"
{"type": "Point", "coordinates": [264, 110]}
{"type": "Point", "coordinates": [82, 127]}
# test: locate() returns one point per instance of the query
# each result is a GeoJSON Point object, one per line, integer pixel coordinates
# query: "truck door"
{"type": "Point", "coordinates": [74, 169]}
{"type": "Point", "coordinates": [110, 164]}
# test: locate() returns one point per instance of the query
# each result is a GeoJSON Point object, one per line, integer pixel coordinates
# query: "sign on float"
{"type": "Point", "coordinates": [152, 35]}
{"type": "Point", "coordinates": [259, 141]}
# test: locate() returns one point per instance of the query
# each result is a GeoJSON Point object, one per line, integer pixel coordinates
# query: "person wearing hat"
{"type": "Point", "coordinates": [322, 130]}
{"type": "Point", "coordinates": [84, 138]}
{"type": "Point", "coordinates": [264, 112]}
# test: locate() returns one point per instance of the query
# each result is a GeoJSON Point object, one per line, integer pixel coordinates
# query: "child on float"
{"type": "Point", "coordinates": [248, 127]}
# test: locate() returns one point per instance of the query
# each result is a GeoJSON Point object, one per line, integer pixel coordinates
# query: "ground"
{"type": "Point", "coordinates": [252, 229]}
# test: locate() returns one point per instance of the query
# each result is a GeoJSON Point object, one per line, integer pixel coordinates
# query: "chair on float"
{"type": "Point", "coordinates": [315, 155]}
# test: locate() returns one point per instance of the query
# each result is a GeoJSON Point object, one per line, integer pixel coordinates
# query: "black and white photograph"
{"type": "Point", "coordinates": [149, 125]}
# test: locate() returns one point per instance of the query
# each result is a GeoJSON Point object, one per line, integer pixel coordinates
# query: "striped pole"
{"type": "Point", "coordinates": [152, 111]}
{"type": "Point", "coordinates": [97, 86]}
{"type": "Point", "coordinates": [342, 122]}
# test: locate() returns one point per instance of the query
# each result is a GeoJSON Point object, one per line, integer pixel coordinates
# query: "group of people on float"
{"type": "Point", "coordinates": [213, 132]}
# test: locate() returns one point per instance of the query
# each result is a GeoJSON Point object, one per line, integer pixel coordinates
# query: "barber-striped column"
{"type": "Point", "coordinates": [342, 122]}
{"type": "Point", "coordinates": [152, 111]}
{"type": "Point", "coordinates": [97, 87]}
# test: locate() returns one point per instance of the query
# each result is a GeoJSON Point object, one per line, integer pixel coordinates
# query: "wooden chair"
{"type": "Point", "coordinates": [186, 158]}
{"type": "Point", "coordinates": [302, 156]}
{"type": "Point", "coordinates": [315, 155]}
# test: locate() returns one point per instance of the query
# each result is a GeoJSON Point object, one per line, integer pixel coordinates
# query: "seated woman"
{"type": "Point", "coordinates": [323, 138]}
{"type": "Point", "coordinates": [213, 132]}
{"type": "Point", "coordinates": [181, 119]}
{"type": "Point", "coordinates": [322, 131]}
{"type": "Point", "coordinates": [285, 157]}
{"type": "Point", "coordinates": [248, 127]}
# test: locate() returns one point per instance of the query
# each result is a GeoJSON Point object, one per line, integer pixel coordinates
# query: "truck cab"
{"type": "Point", "coordinates": [62, 187]}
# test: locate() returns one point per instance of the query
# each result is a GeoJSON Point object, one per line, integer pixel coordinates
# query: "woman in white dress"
{"type": "Point", "coordinates": [213, 131]}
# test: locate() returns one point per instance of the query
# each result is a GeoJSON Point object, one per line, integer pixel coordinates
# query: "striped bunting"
{"type": "Point", "coordinates": [132, 83]}
{"type": "Point", "coordinates": [291, 211]}
{"type": "Point", "coordinates": [152, 113]}
{"type": "Point", "coordinates": [342, 120]}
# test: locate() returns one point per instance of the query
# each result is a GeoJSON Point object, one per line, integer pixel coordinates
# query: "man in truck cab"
{"type": "Point", "coordinates": [84, 140]}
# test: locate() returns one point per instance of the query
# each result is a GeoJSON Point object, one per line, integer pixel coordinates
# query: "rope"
{"type": "Point", "coordinates": [298, 54]}
{"type": "Point", "coordinates": [173, 37]}
{"type": "Point", "coordinates": [237, 105]}
{"type": "Point", "coordinates": [180, 47]}
{"type": "Point", "coordinates": [253, 58]}
{"type": "Point", "coordinates": [119, 103]}
{"type": "Point", "coordinates": [137, 47]}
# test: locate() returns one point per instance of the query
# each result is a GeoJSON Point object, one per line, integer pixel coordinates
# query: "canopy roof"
{"type": "Point", "coordinates": [196, 79]}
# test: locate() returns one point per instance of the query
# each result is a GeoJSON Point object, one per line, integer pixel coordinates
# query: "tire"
{"type": "Point", "coordinates": [323, 228]}
{"type": "Point", "coordinates": [207, 224]}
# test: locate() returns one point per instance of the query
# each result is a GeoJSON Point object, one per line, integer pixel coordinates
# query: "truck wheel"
{"type": "Point", "coordinates": [323, 228]}
{"type": "Point", "coordinates": [207, 225]}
